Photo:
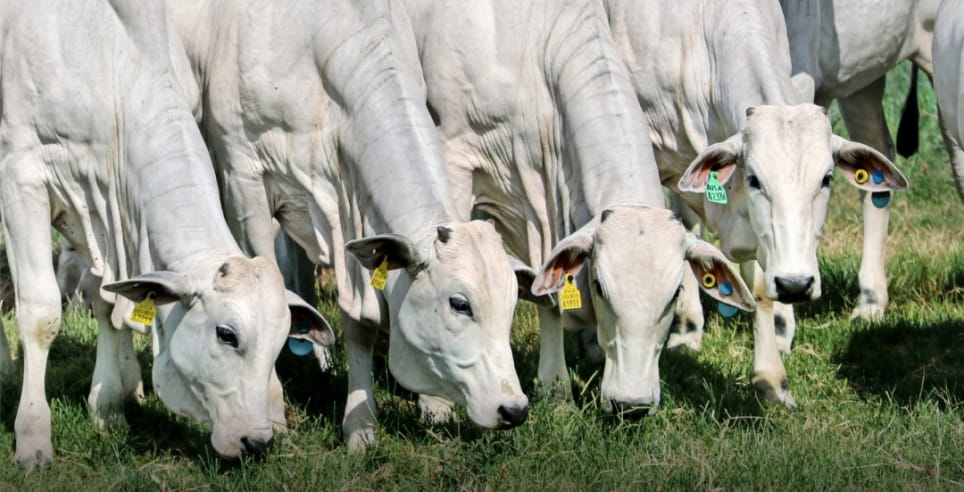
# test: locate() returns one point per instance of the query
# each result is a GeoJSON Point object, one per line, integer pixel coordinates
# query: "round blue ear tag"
{"type": "Point", "coordinates": [726, 288]}
{"type": "Point", "coordinates": [726, 310]}
{"type": "Point", "coordinates": [877, 176]}
{"type": "Point", "coordinates": [298, 346]}
{"type": "Point", "coordinates": [880, 199]}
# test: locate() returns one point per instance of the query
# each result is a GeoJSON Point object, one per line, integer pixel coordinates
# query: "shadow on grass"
{"type": "Point", "coordinates": [908, 361]}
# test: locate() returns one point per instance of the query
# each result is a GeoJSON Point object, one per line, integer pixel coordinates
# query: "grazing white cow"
{"type": "Point", "coordinates": [713, 78]}
{"type": "Point", "coordinates": [97, 137]}
{"type": "Point", "coordinates": [842, 49]}
{"type": "Point", "coordinates": [316, 116]}
{"type": "Point", "coordinates": [949, 82]}
{"type": "Point", "coordinates": [540, 134]}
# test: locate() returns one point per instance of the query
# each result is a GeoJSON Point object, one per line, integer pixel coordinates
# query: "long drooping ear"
{"type": "Point", "coordinates": [525, 276]}
{"type": "Point", "coordinates": [166, 286]}
{"type": "Point", "coordinates": [370, 251]}
{"type": "Point", "coordinates": [568, 257]}
{"type": "Point", "coordinates": [721, 157]}
{"type": "Point", "coordinates": [716, 276]}
{"type": "Point", "coordinates": [307, 323]}
{"type": "Point", "coordinates": [866, 168]}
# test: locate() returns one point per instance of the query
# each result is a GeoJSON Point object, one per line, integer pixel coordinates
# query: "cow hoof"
{"type": "Point", "coordinates": [34, 452]}
{"type": "Point", "coordinates": [434, 410]}
{"type": "Point", "coordinates": [360, 440]}
{"type": "Point", "coordinates": [774, 394]}
{"type": "Point", "coordinates": [871, 313]}
{"type": "Point", "coordinates": [108, 419]}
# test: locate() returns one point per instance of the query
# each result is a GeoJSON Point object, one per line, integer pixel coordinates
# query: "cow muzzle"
{"type": "Point", "coordinates": [512, 416]}
{"type": "Point", "coordinates": [797, 288]}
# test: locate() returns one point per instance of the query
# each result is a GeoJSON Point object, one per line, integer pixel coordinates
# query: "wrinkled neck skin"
{"type": "Point", "coordinates": [335, 132]}
{"type": "Point", "coordinates": [532, 103]}
{"type": "Point", "coordinates": [688, 49]}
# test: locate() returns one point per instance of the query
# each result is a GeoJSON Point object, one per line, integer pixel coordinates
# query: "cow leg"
{"type": "Point", "coordinates": [106, 398]}
{"type": "Point", "coordinates": [26, 214]}
{"type": "Point", "coordinates": [276, 404]}
{"type": "Point", "coordinates": [784, 325]}
{"type": "Point", "coordinates": [131, 376]}
{"type": "Point", "coordinates": [864, 116]}
{"type": "Point", "coordinates": [435, 410]}
{"type": "Point", "coordinates": [6, 362]}
{"type": "Point", "coordinates": [956, 154]}
{"type": "Point", "coordinates": [553, 373]}
{"type": "Point", "coordinates": [358, 426]}
{"type": "Point", "coordinates": [687, 329]}
{"type": "Point", "coordinates": [769, 375]}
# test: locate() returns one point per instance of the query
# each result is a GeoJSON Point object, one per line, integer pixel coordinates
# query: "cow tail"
{"type": "Point", "coordinates": [908, 138]}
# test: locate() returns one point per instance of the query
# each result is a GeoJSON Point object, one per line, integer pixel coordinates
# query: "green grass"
{"type": "Point", "coordinates": [880, 404]}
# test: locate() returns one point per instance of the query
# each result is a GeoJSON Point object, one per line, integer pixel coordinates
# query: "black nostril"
{"type": "Point", "coordinates": [793, 288]}
{"type": "Point", "coordinates": [630, 410]}
{"type": "Point", "coordinates": [512, 416]}
{"type": "Point", "coordinates": [254, 446]}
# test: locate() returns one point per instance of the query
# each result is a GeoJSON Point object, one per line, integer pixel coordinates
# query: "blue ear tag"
{"type": "Point", "coordinates": [877, 176]}
{"type": "Point", "coordinates": [726, 310]}
{"type": "Point", "coordinates": [298, 346]}
{"type": "Point", "coordinates": [726, 288]}
{"type": "Point", "coordinates": [880, 199]}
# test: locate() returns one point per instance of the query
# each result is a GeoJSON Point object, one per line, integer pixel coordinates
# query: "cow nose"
{"type": "Point", "coordinates": [253, 446]}
{"type": "Point", "coordinates": [793, 289]}
{"type": "Point", "coordinates": [630, 410]}
{"type": "Point", "coordinates": [512, 416]}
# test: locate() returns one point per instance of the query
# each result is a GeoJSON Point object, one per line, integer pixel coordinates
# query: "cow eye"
{"type": "Point", "coordinates": [826, 181]}
{"type": "Point", "coordinates": [753, 182]}
{"type": "Point", "coordinates": [460, 305]}
{"type": "Point", "coordinates": [226, 335]}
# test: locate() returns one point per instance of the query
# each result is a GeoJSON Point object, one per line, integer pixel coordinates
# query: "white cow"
{"type": "Point", "coordinates": [842, 49]}
{"type": "Point", "coordinates": [540, 133]}
{"type": "Point", "coordinates": [713, 78]}
{"type": "Point", "coordinates": [97, 137]}
{"type": "Point", "coordinates": [949, 82]}
{"type": "Point", "coordinates": [316, 117]}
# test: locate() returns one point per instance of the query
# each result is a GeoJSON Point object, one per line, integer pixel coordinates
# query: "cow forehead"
{"type": "Point", "coordinates": [247, 287]}
{"type": "Point", "coordinates": [639, 236]}
{"type": "Point", "coordinates": [473, 257]}
{"type": "Point", "coordinates": [788, 142]}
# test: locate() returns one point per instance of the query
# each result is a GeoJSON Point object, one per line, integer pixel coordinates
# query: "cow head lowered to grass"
{"type": "Point", "coordinates": [637, 258]}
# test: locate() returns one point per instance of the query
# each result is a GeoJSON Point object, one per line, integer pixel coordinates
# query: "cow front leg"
{"type": "Point", "coordinates": [784, 326]}
{"type": "Point", "coordinates": [131, 377]}
{"type": "Point", "coordinates": [769, 375]}
{"type": "Point", "coordinates": [26, 214]}
{"type": "Point", "coordinates": [106, 398]}
{"type": "Point", "coordinates": [553, 374]}
{"type": "Point", "coordinates": [863, 114]}
{"type": "Point", "coordinates": [358, 426]}
{"type": "Point", "coordinates": [687, 328]}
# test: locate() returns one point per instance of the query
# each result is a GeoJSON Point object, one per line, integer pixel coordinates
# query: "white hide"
{"type": "Point", "coordinates": [635, 288]}
{"type": "Point", "coordinates": [949, 82]}
{"type": "Point", "coordinates": [842, 50]}
{"type": "Point", "coordinates": [316, 116]}
{"type": "Point", "coordinates": [713, 78]}
{"type": "Point", "coordinates": [541, 134]}
{"type": "Point", "coordinates": [97, 137]}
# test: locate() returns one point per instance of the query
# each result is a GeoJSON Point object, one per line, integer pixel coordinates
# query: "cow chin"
{"type": "Point", "coordinates": [231, 441]}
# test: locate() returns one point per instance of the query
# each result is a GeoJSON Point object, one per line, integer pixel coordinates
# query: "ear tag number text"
{"type": "Point", "coordinates": [380, 275]}
{"type": "Point", "coordinates": [570, 297]}
{"type": "Point", "coordinates": [715, 192]}
{"type": "Point", "coordinates": [144, 311]}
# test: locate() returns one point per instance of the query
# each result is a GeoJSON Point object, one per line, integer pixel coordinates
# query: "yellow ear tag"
{"type": "Point", "coordinates": [144, 311]}
{"type": "Point", "coordinates": [861, 176]}
{"type": "Point", "coordinates": [380, 275]}
{"type": "Point", "coordinates": [570, 297]}
{"type": "Point", "coordinates": [709, 280]}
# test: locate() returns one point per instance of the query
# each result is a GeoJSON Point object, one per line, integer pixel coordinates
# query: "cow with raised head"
{"type": "Point", "coordinates": [315, 113]}
{"type": "Point", "coordinates": [97, 137]}
{"type": "Point", "coordinates": [713, 78]}
{"type": "Point", "coordinates": [841, 49]}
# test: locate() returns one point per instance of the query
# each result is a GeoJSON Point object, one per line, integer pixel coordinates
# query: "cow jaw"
{"type": "Point", "coordinates": [439, 347]}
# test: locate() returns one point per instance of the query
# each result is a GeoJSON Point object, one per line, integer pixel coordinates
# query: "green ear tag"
{"type": "Point", "coordinates": [570, 297]}
{"type": "Point", "coordinates": [380, 275]}
{"type": "Point", "coordinates": [144, 311]}
{"type": "Point", "coordinates": [715, 192]}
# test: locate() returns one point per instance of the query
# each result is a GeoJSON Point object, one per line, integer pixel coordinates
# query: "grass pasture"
{"type": "Point", "coordinates": [881, 405]}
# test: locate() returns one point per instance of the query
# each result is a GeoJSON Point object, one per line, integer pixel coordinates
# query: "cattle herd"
{"type": "Point", "coordinates": [408, 145]}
